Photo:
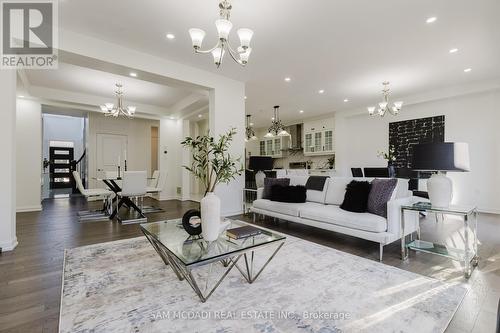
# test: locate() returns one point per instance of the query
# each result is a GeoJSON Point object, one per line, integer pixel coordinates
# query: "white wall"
{"type": "Point", "coordinates": [138, 133]}
{"type": "Point", "coordinates": [473, 118]}
{"type": "Point", "coordinates": [170, 157]}
{"type": "Point", "coordinates": [28, 155]}
{"type": "Point", "coordinates": [8, 240]}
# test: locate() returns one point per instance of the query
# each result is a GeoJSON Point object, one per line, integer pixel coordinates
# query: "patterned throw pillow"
{"type": "Point", "coordinates": [380, 194]}
{"type": "Point", "coordinates": [269, 182]}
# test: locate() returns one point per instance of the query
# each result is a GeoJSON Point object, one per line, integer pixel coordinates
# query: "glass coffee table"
{"type": "Point", "coordinates": [184, 253]}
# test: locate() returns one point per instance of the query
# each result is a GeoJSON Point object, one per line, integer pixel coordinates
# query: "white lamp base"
{"type": "Point", "coordinates": [440, 189]}
{"type": "Point", "coordinates": [259, 179]}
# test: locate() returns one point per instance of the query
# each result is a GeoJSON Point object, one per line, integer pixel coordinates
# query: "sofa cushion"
{"type": "Point", "coordinates": [296, 194]}
{"type": "Point", "coordinates": [270, 182]}
{"type": "Point", "coordinates": [312, 195]}
{"type": "Point", "coordinates": [336, 190]}
{"type": "Point", "coordinates": [356, 196]}
{"type": "Point", "coordinates": [335, 215]}
{"type": "Point", "coordinates": [380, 193]}
{"type": "Point", "coordinates": [279, 207]}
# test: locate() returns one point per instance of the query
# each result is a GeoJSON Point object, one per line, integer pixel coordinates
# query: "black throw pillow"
{"type": "Point", "coordinates": [356, 196]}
{"type": "Point", "coordinates": [295, 194]}
{"type": "Point", "coordinates": [269, 182]}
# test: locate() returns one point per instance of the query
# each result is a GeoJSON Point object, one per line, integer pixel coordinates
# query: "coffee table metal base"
{"type": "Point", "coordinates": [186, 273]}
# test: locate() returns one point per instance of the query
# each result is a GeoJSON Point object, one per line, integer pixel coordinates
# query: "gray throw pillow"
{"type": "Point", "coordinates": [380, 193]}
{"type": "Point", "coordinates": [269, 182]}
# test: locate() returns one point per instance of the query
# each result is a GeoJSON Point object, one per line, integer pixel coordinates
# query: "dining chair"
{"type": "Point", "coordinates": [154, 188]}
{"type": "Point", "coordinates": [93, 193]}
{"type": "Point", "coordinates": [134, 187]}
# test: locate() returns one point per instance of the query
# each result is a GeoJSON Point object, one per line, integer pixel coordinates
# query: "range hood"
{"type": "Point", "coordinates": [295, 143]}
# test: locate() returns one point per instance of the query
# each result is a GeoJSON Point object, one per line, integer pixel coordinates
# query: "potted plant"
{"type": "Point", "coordinates": [212, 164]}
{"type": "Point", "coordinates": [331, 162]}
{"type": "Point", "coordinates": [390, 157]}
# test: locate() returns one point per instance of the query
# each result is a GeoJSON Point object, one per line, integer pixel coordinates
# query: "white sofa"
{"type": "Point", "coordinates": [322, 210]}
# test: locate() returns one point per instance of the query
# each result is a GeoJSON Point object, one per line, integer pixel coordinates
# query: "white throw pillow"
{"type": "Point", "coordinates": [336, 190]}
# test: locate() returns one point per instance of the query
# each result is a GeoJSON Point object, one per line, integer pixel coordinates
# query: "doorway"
{"type": "Point", "coordinates": [154, 148]}
{"type": "Point", "coordinates": [63, 142]}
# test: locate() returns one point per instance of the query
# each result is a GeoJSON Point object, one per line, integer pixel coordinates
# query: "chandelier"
{"type": "Point", "coordinates": [223, 25]}
{"type": "Point", "coordinates": [384, 106]}
{"type": "Point", "coordinates": [110, 110]}
{"type": "Point", "coordinates": [249, 132]}
{"type": "Point", "coordinates": [277, 128]}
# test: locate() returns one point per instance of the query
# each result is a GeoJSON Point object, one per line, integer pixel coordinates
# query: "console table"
{"type": "Point", "coordinates": [468, 256]}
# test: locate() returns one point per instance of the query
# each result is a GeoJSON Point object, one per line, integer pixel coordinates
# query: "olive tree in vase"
{"type": "Point", "coordinates": [212, 164]}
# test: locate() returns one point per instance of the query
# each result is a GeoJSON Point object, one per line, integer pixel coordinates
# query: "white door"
{"type": "Point", "coordinates": [111, 150]}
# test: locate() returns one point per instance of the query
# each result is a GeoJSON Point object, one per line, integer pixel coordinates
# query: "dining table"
{"type": "Point", "coordinates": [112, 184]}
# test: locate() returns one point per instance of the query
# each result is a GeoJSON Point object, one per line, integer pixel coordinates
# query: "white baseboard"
{"type": "Point", "coordinates": [168, 197]}
{"type": "Point", "coordinates": [26, 209]}
{"type": "Point", "coordinates": [8, 246]}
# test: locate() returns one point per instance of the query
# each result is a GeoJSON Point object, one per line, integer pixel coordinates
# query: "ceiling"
{"type": "Point", "coordinates": [99, 83]}
{"type": "Point", "coordinates": [346, 47]}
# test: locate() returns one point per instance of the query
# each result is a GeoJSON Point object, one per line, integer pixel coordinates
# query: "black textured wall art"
{"type": "Point", "coordinates": [403, 135]}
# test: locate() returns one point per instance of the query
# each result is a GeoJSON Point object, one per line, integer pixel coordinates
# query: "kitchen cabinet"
{"type": "Point", "coordinates": [273, 146]}
{"type": "Point", "coordinates": [318, 137]}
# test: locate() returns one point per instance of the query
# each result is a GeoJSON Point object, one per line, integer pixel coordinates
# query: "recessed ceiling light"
{"type": "Point", "coordinates": [467, 70]}
{"type": "Point", "coordinates": [287, 79]}
{"type": "Point", "coordinates": [301, 111]}
{"type": "Point", "coordinates": [272, 118]}
{"type": "Point", "coordinates": [172, 117]}
{"type": "Point", "coordinates": [321, 91]}
{"type": "Point", "coordinates": [431, 19]}
{"type": "Point", "coordinates": [346, 100]}
{"type": "Point", "coordinates": [21, 96]}
{"type": "Point", "coordinates": [245, 97]}
{"type": "Point", "coordinates": [454, 50]}
{"type": "Point", "coordinates": [133, 74]}
{"type": "Point", "coordinates": [170, 36]}
{"type": "Point", "coordinates": [251, 124]}
{"type": "Point", "coordinates": [200, 115]}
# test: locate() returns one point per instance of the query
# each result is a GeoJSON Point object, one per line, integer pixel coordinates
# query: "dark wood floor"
{"type": "Point", "coordinates": [30, 276]}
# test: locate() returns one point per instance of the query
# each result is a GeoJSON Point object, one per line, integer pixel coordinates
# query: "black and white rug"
{"type": "Point", "coordinates": [124, 286]}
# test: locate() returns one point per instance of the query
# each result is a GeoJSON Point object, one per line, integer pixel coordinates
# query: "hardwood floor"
{"type": "Point", "coordinates": [30, 276]}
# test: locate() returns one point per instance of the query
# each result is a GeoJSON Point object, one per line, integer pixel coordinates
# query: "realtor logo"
{"type": "Point", "coordinates": [29, 34]}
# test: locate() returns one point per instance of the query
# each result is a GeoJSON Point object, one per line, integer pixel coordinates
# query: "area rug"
{"type": "Point", "coordinates": [124, 286]}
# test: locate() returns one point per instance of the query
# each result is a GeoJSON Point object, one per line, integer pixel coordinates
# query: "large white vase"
{"type": "Point", "coordinates": [210, 217]}
{"type": "Point", "coordinates": [440, 189]}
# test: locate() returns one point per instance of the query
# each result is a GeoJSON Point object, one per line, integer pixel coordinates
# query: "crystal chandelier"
{"type": "Point", "coordinates": [223, 25]}
{"type": "Point", "coordinates": [110, 110]}
{"type": "Point", "coordinates": [277, 128]}
{"type": "Point", "coordinates": [249, 132]}
{"type": "Point", "coordinates": [384, 106]}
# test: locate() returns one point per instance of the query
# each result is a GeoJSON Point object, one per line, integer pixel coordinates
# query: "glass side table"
{"type": "Point", "coordinates": [468, 256]}
{"type": "Point", "coordinates": [249, 195]}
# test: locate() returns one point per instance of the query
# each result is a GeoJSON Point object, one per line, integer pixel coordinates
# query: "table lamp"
{"type": "Point", "coordinates": [441, 157]}
{"type": "Point", "coordinates": [260, 164]}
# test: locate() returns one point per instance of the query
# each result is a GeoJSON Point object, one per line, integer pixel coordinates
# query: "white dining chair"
{"type": "Point", "coordinates": [134, 187]}
{"type": "Point", "coordinates": [93, 193]}
{"type": "Point", "coordinates": [154, 188]}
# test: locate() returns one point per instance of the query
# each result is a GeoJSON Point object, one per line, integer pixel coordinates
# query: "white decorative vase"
{"type": "Point", "coordinates": [210, 217]}
{"type": "Point", "coordinates": [440, 189]}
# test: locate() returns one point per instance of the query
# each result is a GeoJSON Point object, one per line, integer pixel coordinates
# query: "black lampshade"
{"type": "Point", "coordinates": [260, 163]}
{"type": "Point", "coordinates": [444, 156]}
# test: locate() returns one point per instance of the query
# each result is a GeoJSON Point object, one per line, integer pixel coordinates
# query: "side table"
{"type": "Point", "coordinates": [468, 255]}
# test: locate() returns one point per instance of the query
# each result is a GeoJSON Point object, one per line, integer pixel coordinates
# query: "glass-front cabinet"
{"type": "Point", "coordinates": [273, 146]}
{"type": "Point", "coordinates": [318, 139]}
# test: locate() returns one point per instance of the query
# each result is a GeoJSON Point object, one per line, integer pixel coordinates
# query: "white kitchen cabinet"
{"type": "Point", "coordinates": [273, 146]}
